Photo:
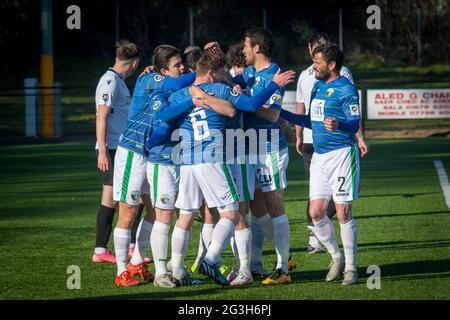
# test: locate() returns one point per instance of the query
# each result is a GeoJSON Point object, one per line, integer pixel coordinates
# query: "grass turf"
{"type": "Point", "coordinates": [49, 195]}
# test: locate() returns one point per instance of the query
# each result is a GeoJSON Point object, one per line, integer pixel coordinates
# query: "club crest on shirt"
{"type": "Point", "coordinates": [329, 92]}
{"type": "Point", "coordinates": [164, 198]}
{"type": "Point", "coordinates": [135, 195]}
{"type": "Point", "coordinates": [158, 77]}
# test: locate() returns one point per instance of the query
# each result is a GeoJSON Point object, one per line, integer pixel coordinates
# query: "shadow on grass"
{"type": "Point", "coordinates": [293, 221]}
{"type": "Point", "coordinates": [393, 215]}
{"type": "Point", "coordinates": [428, 269]}
{"type": "Point", "coordinates": [404, 245]}
{"type": "Point", "coordinates": [404, 195]}
{"type": "Point", "coordinates": [164, 294]}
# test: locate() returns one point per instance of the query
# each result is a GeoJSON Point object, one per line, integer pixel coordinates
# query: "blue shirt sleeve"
{"type": "Point", "coordinates": [158, 135]}
{"type": "Point", "coordinates": [153, 81]}
{"type": "Point", "coordinates": [350, 107]}
{"type": "Point", "coordinates": [242, 102]}
{"type": "Point", "coordinates": [253, 104]}
{"type": "Point", "coordinates": [297, 119]}
{"type": "Point", "coordinates": [178, 83]}
{"type": "Point", "coordinates": [156, 81]}
{"type": "Point", "coordinates": [276, 99]}
{"type": "Point", "coordinates": [170, 113]}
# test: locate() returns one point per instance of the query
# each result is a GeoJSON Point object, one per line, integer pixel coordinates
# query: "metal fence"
{"type": "Point", "coordinates": [21, 110]}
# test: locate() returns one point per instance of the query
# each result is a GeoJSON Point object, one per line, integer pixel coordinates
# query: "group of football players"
{"type": "Point", "coordinates": [202, 138]}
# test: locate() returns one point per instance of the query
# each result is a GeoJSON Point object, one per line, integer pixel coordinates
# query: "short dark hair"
{"type": "Point", "coordinates": [263, 38]}
{"type": "Point", "coordinates": [318, 39]}
{"type": "Point", "coordinates": [191, 56]}
{"type": "Point", "coordinates": [235, 57]}
{"type": "Point", "coordinates": [330, 52]}
{"type": "Point", "coordinates": [209, 61]}
{"type": "Point", "coordinates": [126, 50]}
{"type": "Point", "coordinates": [162, 55]}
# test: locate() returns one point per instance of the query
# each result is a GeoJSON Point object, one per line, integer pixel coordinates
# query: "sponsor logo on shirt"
{"type": "Point", "coordinates": [158, 77]}
{"type": "Point", "coordinates": [105, 97]}
{"type": "Point", "coordinates": [317, 109]}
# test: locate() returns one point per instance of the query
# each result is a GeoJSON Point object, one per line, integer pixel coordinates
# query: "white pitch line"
{"type": "Point", "coordinates": [443, 179]}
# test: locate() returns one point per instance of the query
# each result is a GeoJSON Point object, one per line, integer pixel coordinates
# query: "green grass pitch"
{"type": "Point", "coordinates": [49, 195]}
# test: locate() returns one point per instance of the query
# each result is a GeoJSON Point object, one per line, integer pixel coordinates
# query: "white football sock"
{"type": "Point", "coordinates": [207, 232]}
{"type": "Point", "coordinates": [350, 244]}
{"type": "Point", "coordinates": [99, 250]}
{"type": "Point", "coordinates": [243, 240]}
{"type": "Point", "coordinates": [143, 233]}
{"type": "Point", "coordinates": [122, 238]}
{"type": "Point", "coordinates": [180, 243]}
{"type": "Point", "coordinates": [205, 238]}
{"type": "Point", "coordinates": [266, 225]}
{"type": "Point", "coordinates": [257, 241]}
{"type": "Point", "coordinates": [222, 233]}
{"type": "Point", "coordinates": [327, 236]}
{"type": "Point", "coordinates": [160, 241]}
{"type": "Point", "coordinates": [281, 232]}
{"type": "Point", "coordinates": [314, 242]}
{"type": "Point", "coordinates": [235, 251]}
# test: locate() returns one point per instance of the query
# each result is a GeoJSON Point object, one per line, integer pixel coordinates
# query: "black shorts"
{"type": "Point", "coordinates": [107, 177]}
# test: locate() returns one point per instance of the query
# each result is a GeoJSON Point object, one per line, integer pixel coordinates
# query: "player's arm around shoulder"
{"type": "Point", "coordinates": [271, 110]}
{"type": "Point", "coordinates": [218, 100]}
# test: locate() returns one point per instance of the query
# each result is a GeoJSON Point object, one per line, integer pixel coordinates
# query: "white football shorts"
{"type": "Point", "coordinates": [212, 182]}
{"type": "Point", "coordinates": [244, 178]}
{"type": "Point", "coordinates": [164, 180]}
{"type": "Point", "coordinates": [335, 174]}
{"type": "Point", "coordinates": [271, 174]}
{"type": "Point", "coordinates": [130, 177]}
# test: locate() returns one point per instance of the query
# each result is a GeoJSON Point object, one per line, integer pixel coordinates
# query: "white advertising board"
{"type": "Point", "coordinates": [408, 104]}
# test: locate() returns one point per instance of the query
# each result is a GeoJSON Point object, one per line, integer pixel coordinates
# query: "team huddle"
{"type": "Point", "coordinates": [202, 138]}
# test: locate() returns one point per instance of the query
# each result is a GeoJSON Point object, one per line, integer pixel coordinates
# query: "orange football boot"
{"type": "Point", "coordinates": [125, 280]}
{"type": "Point", "coordinates": [141, 271]}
